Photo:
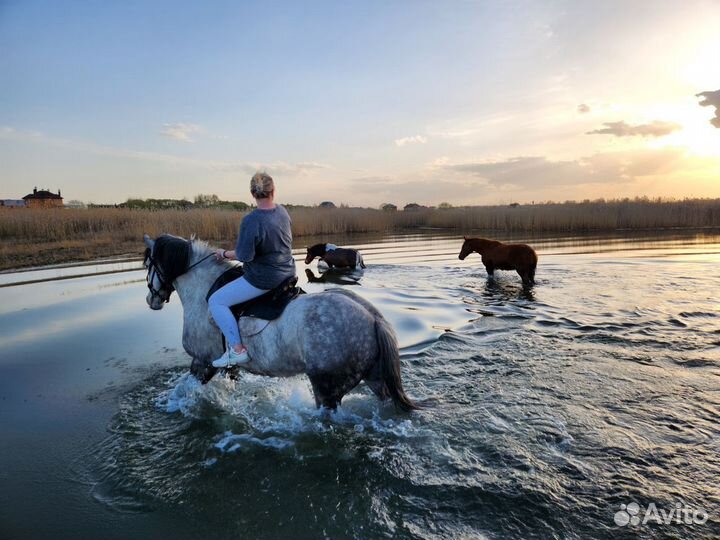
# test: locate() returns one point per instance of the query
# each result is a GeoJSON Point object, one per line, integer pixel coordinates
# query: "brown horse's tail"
{"type": "Point", "coordinates": [389, 364]}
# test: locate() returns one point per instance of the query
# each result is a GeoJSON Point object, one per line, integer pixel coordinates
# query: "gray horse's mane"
{"type": "Point", "coordinates": [200, 248]}
{"type": "Point", "coordinates": [175, 254]}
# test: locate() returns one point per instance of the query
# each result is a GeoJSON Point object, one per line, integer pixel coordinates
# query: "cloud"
{"type": "Point", "coordinates": [442, 161]}
{"type": "Point", "coordinates": [9, 132]}
{"type": "Point", "coordinates": [98, 149]}
{"type": "Point", "coordinates": [657, 128]}
{"type": "Point", "coordinates": [583, 108]}
{"type": "Point", "coordinates": [540, 172]}
{"type": "Point", "coordinates": [180, 132]}
{"type": "Point", "coordinates": [469, 129]}
{"type": "Point", "coordinates": [458, 133]}
{"type": "Point", "coordinates": [304, 167]}
{"type": "Point", "coordinates": [522, 171]}
{"type": "Point", "coordinates": [310, 165]}
{"type": "Point", "coordinates": [711, 99]}
{"type": "Point", "coordinates": [631, 165]}
{"type": "Point", "coordinates": [415, 139]}
{"type": "Point", "coordinates": [280, 167]}
{"type": "Point", "coordinates": [368, 180]}
{"type": "Point", "coordinates": [423, 191]}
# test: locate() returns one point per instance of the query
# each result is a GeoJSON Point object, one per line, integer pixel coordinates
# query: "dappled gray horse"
{"type": "Point", "coordinates": [334, 337]}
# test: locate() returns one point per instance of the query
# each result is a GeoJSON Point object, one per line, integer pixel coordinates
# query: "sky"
{"type": "Point", "coordinates": [361, 102]}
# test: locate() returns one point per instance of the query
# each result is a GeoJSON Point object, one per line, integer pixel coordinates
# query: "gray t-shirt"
{"type": "Point", "coordinates": [265, 246]}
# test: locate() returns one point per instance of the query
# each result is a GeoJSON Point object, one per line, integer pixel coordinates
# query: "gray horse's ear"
{"type": "Point", "coordinates": [149, 242]}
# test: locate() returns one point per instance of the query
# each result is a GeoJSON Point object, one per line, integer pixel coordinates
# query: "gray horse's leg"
{"type": "Point", "coordinates": [202, 370]}
{"type": "Point", "coordinates": [378, 388]}
{"type": "Point", "coordinates": [330, 388]}
{"type": "Point", "coordinates": [376, 383]}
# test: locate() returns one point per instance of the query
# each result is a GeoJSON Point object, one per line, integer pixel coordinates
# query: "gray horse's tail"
{"type": "Point", "coordinates": [389, 364]}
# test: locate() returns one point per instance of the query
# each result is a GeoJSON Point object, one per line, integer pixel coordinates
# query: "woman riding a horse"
{"type": "Point", "coordinates": [335, 337]}
{"type": "Point", "coordinates": [265, 248]}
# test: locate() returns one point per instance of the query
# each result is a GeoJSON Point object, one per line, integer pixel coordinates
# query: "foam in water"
{"type": "Point", "coordinates": [182, 396]}
{"type": "Point", "coordinates": [276, 411]}
{"type": "Point", "coordinates": [231, 442]}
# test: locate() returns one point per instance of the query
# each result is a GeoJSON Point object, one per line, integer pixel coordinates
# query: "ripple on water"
{"type": "Point", "coordinates": [551, 407]}
{"type": "Point", "coordinates": [165, 442]}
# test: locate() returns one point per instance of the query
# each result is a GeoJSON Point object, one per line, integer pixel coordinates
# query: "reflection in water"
{"type": "Point", "coordinates": [553, 406]}
{"type": "Point", "coordinates": [335, 276]}
{"type": "Point", "coordinates": [97, 306]}
{"type": "Point", "coordinates": [502, 291]}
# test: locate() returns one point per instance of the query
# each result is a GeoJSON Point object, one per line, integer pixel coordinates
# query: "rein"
{"type": "Point", "coordinates": [205, 258]}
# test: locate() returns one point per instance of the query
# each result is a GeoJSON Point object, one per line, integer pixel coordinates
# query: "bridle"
{"type": "Point", "coordinates": [153, 271]}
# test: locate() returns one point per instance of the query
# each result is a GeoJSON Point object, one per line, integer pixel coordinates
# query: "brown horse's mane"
{"type": "Point", "coordinates": [481, 243]}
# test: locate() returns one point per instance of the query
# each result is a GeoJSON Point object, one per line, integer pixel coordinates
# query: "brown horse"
{"type": "Point", "coordinates": [498, 256]}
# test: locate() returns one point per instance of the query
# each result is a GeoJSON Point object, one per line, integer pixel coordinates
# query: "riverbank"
{"type": "Point", "coordinates": [40, 237]}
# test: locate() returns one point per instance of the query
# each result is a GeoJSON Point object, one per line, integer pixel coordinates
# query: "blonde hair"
{"type": "Point", "coordinates": [262, 185]}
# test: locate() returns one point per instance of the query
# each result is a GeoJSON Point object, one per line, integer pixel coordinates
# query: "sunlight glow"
{"type": "Point", "coordinates": [697, 135]}
{"type": "Point", "coordinates": [703, 63]}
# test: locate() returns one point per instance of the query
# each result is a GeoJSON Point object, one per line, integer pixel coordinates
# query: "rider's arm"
{"type": "Point", "coordinates": [249, 234]}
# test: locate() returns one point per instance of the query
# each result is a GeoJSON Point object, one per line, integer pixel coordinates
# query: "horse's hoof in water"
{"type": "Point", "coordinates": [202, 371]}
{"type": "Point", "coordinates": [233, 373]}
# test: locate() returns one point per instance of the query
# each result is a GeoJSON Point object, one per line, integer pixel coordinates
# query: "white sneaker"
{"type": "Point", "coordinates": [231, 358]}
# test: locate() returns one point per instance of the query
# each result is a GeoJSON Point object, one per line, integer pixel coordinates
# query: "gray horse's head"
{"type": "Point", "coordinates": [166, 258]}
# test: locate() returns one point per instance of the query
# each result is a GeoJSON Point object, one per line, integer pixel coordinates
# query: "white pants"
{"type": "Point", "coordinates": [235, 292]}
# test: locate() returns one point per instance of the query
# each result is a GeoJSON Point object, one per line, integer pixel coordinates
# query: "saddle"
{"type": "Point", "coordinates": [268, 306]}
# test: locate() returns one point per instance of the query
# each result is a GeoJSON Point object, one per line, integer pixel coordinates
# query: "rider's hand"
{"type": "Point", "coordinates": [219, 254]}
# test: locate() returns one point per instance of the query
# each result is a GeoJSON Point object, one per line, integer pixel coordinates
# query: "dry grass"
{"type": "Point", "coordinates": [551, 217]}
{"type": "Point", "coordinates": [29, 237]}
{"type": "Point", "coordinates": [584, 217]}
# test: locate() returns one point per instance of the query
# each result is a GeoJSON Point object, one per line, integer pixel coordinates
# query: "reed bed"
{"type": "Point", "coordinates": [550, 217]}
{"type": "Point", "coordinates": [36, 236]}
{"type": "Point", "coordinates": [583, 217]}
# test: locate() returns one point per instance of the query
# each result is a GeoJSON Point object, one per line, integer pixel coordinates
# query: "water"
{"type": "Point", "coordinates": [547, 409]}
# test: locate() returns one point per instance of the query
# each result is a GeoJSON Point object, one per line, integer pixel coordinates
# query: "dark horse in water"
{"type": "Point", "coordinates": [498, 256]}
{"type": "Point", "coordinates": [335, 256]}
{"type": "Point", "coordinates": [335, 337]}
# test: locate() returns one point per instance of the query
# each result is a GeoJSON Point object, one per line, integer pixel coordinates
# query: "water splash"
{"type": "Point", "coordinates": [274, 413]}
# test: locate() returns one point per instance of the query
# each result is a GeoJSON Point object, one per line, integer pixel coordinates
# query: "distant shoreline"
{"type": "Point", "coordinates": [33, 237]}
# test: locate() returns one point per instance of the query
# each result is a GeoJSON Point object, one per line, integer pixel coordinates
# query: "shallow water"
{"type": "Point", "coordinates": [547, 409]}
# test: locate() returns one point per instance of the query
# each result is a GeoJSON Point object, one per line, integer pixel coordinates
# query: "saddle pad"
{"type": "Point", "coordinates": [268, 306]}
